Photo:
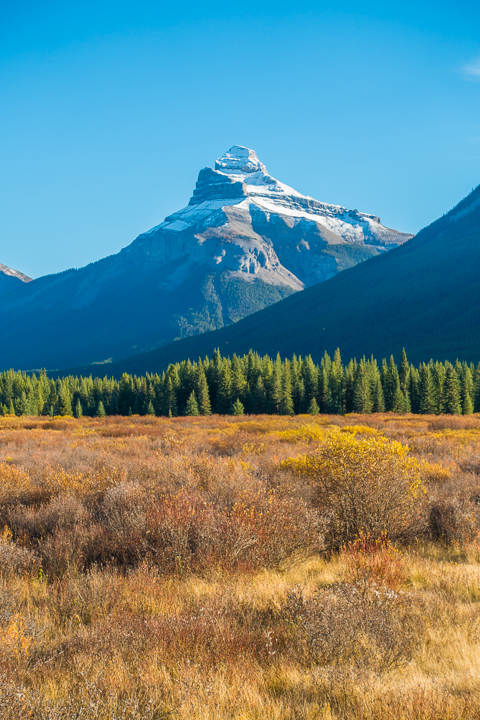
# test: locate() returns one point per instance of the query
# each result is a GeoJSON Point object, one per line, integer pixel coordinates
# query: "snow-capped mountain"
{"type": "Point", "coordinates": [243, 220]}
{"type": "Point", "coordinates": [244, 241]}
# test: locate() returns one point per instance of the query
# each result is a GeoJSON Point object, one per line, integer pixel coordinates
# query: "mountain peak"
{"type": "Point", "coordinates": [14, 273]}
{"type": "Point", "coordinates": [239, 160]}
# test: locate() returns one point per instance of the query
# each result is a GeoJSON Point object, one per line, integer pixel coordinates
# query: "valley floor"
{"type": "Point", "coordinates": [211, 568]}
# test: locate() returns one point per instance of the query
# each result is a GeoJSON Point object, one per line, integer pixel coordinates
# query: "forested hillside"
{"type": "Point", "coordinates": [253, 384]}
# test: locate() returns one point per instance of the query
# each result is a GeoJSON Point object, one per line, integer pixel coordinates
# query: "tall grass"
{"type": "Point", "coordinates": [154, 568]}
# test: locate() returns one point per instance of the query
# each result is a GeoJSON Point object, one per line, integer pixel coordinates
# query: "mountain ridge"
{"type": "Point", "coordinates": [423, 295]}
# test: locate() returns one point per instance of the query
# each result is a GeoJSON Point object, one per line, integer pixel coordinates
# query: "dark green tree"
{"type": "Point", "coordinates": [237, 408]}
{"type": "Point", "coordinates": [77, 410]}
{"type": "Point", "coordinates": [191, 407]}
{"type": "Point", "coordinates": [451, 392]}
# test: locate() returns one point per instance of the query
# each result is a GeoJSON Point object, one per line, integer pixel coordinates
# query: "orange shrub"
{"type": "Point", "coordinates": [375, 561]}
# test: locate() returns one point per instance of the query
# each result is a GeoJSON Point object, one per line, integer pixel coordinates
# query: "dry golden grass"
{"type": "Point", "coordinates": [170, 568]}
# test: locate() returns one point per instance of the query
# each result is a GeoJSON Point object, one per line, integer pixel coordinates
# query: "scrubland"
{"type": "Point", "coordinates": [240, 567]}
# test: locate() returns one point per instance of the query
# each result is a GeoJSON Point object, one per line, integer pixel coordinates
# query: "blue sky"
{"type": "Point", "coordinates": [110, 109]}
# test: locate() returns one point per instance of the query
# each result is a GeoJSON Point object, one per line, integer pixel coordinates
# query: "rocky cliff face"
{"type": "Point", "coordinates": [242, 220]}
{"type": "Point", "coordinates": [244, 241]}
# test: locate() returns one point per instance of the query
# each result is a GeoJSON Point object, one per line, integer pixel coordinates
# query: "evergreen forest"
{"type": "Point", "coordinates": [252, 385]}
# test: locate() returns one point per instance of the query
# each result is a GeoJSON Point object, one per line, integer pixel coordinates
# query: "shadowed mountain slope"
{"type": "Point", "coordinates": [11, 279]}
{"type": "Point", "coordinates": [424, 296]}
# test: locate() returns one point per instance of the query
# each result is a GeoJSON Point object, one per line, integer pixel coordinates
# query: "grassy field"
{"type": "Point", "coordinates": [233, 568]}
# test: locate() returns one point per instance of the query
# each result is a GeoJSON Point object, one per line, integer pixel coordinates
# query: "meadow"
{"type": "Point", "coordinates": [222, 567]}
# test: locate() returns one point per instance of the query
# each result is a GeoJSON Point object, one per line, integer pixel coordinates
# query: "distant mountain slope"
{"type": "Point", "coordinates": [10, 279]}
{"type": "Point", "coordinates": [424, 296]}
{"type": "Point", "coordinates": [244, 241]}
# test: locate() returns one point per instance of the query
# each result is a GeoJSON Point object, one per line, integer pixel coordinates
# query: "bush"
{"type": "Point", "coordinates": [369, 485]}
{"type": "Point", "coordinates": [375, 561]}
{"type": "Point", "coordinates": [348, 625]}
{"type": "Point", "coordinates": [15, 559]}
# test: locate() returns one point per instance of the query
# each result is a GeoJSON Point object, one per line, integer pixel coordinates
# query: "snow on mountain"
{"type": "Point", "coordinates": [255, 227]}
{"type": "Point", "coordinates": [244, 241]}
{"type": "Point", "coordinates": [14, 273]}
{"type": "Point", "coordinates": [11, 279]}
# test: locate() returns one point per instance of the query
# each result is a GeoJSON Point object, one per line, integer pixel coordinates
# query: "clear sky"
{"type": "Point", "coordinates": [108, 110]}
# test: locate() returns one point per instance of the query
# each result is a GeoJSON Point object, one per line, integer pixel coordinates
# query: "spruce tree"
{"type": "Point", "coordinates": [191, 407]}
{"type": "Point", "coordinates": [466, 389]}
{"type": "Point", "coordinates": [202, 392]}
{"type": "Point", "coordinates": [313, 408]}
{"type": "Point", "coordinates": [274, 389]}
{"type": "Point", "coordinates": [64, 402]}
{"type": "Point", "coordinates": [404, 373]}
{"type": "Point", "coordinates": [100, 410]}
{"type": "Point", "coordinates": [237, 408]}
{"type": "Point", "coordinates": [310, 379]}
{"type": "Point", "coordinates": [170, 395]}
{"type": "Point", "coordinates": [259, 400]}
{"type": "Point", "coordinates": [451, 392]}
{"type": "Point", "coordinates": [224, 396]}
{"type": "Point", "coordinates": [378, 402]}
{"type": "Point", "coordinates": [426, 399]}
{"type": "Point", "coordinates": [476, 389]}
{"type": "Point", "coordinates": [150, 408]}
{"type": "Point", "coordinates": [286, 400]}
{"type": "Point", "coordinates": [239, 382]}
{"type": "Point", "coordinates": [438, 379]}
{"type": "Point", "coordinates": [77, 411]}
{"type": "Point", "coordinates": [362, 397]}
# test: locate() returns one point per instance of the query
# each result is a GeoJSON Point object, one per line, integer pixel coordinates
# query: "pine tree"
{"type": "Point", "coordinates": [286, 400]}
{"type": "Point", "coordinates": [378, 402]}
{"type": "Point", "coordinates": [224, 396]}
{"type": "Point", "coordinates": [11, 408]}
{"type": "Point", "coordinates": [150, 408]}
{"type": "Point", "coordinates": [100, 410]}
{"type": "Point", "coordinates": [170, 395]}
{"type": "Point", "coordinates": [336, 398]}
{"type": "Point", "coordinates": [64, 402]}
{"type": "Point", "coordinates": [239, 381]}
{"type": "Point", "coordinates": [438, 379]}
{"type": "Point", "coordinates": [202, 392]}
{"type": "Point", "coordinates": [259, 400]}
{"type": "Point", "coordinates": [476, 389]}
{"type": "Point", "coordinates": [191, 407]}
{"type": "Point", "coordinates": [404, 373]}
{"type": "Point", "coordinates": [313, 408]}
{"type": "Point", "coordinates": [310, 380]}
{"type": "Point", "coordinates": [362, 397]}
{"type": "Point", "coordinates": [22, 406]}
{"type": "Point", "coordinates": [466, 389]}
{"type": "Point", "coordinates": [451, 392]}
{"type": "Point", "coordinates": [77, 411]}
{"type": "Point", "coordinates": [237, 408]}
{"type": "Point", "coordinates": [324, 396]}
{"type": "Point", "coordinates": [394, 398]}
{"type": "Point", "coordinates": [426, 399]}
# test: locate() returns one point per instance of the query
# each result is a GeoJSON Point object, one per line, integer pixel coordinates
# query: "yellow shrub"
{"type": "Point", "coordinates": [434, 472]}
{"type": "Point", "coordinates": [370, 485]}
{"type": "Point", "coordinates": [361, 429]}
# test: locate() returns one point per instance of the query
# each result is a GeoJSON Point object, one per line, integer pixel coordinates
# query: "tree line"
{"type": "Point", "coordinates": [252, 385]}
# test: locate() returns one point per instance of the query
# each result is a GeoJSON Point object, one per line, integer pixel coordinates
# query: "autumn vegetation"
{"type": "Point", "coordinates": [237, 567]}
